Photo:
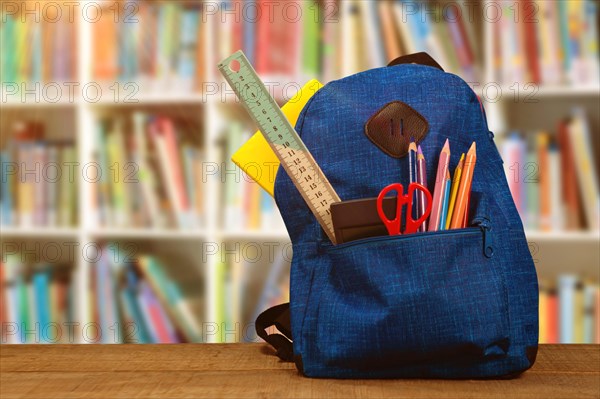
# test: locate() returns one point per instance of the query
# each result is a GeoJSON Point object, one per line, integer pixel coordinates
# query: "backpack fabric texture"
{"type": "Point", "coordinates": [447, 304]}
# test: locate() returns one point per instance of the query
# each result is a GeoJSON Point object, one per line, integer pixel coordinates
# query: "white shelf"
{"type": "Point", "coordinates": [564, 236]}
{"type": "Point", "coordinates": [40, 232]}
{"type": "Point", "coordinates": [569, 91]}
{"type": "Point", "coordinates": [148, 233]}
{"type": "Point", "coordinates": [195, 98]}
{"type": "Point", "coordinates": [154, 99]}
{"type": "Point", "coordinates": [32, 103]}
{"type": "Point", "coordinates": [527, 94]}
{"type": "Point", "coordinates": [255, 234]}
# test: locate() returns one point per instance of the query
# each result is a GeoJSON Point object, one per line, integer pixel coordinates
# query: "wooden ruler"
{"type": "Point", "coordinates": [295, 158]}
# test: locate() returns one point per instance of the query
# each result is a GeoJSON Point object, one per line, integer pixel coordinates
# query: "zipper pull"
{"type": "Point", "coordinates": [485, 226]}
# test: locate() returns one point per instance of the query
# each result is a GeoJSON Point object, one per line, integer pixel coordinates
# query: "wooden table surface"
{"type": "Point", "coordinates": [250, 370]}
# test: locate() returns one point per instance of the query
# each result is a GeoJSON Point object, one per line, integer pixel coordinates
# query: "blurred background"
{"type": "Point", "coordinates": [123, 218]}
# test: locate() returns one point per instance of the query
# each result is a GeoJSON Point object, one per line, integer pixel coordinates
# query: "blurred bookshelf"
{"type": "Point", "coordinates": [215, 239]}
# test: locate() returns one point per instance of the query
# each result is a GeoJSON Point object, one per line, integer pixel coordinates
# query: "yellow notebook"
{"type": "Point", "coordinates": [256, 158]}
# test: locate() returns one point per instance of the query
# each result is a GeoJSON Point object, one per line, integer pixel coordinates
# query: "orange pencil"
{"type": "Point", "coordinates": [440, 188]}
{"type": "Point", "coordinates": [463, 190]}
{"type": "Point", "coordinates": [465, 221]}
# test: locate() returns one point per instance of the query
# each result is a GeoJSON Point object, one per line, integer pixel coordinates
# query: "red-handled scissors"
{"type": "Point", "coordinates": [393, 226]}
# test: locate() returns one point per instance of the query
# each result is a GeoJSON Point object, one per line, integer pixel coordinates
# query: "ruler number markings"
{"type": "Point", "coordinates": [296, 159]}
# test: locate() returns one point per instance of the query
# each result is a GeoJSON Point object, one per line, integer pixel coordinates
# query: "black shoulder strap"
{"type": "Point", "coordinates": [416, 58]}
{"type": "Point", "coordinates": [278, 316]}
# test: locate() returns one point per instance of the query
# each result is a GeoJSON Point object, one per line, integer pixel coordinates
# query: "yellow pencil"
{"type": "Point", "coordinates": [455, 184]}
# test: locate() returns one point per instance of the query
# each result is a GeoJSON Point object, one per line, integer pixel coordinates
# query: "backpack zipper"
{"type": "Point", "coordinates": [485, 225]}
{"type": "Point", "coordinates": [482, 224]}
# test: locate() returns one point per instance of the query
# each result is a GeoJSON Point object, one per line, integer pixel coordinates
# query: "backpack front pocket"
{"type": "Point", "coordinates": [410, 299]}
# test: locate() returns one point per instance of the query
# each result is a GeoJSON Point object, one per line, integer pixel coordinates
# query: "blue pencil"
{"type": "Point", "coordinates": [445, 201]}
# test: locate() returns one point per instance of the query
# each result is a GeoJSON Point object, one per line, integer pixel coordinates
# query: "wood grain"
{"type": "Point", "coordinates": [251, 370]}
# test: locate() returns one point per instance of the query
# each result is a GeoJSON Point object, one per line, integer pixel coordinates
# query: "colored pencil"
{"type": "Point", "coordinates": [422, 179]}
{"type": "Point", "coordinates": [460, 207]}
{"type": "Point", "coordinates": [455, 184]}
{"type": "Point", "coordinates": [466, 217]}
{"type": "Point", "coordinates": [440, 187]}
{"type": "Point", "coordinates": [444, 213]}
{"type": "Point", "coordinates": [412, 171]}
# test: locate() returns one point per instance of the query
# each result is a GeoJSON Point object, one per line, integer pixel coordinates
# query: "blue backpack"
{"type": "Point", "coordinates": [448, 304]}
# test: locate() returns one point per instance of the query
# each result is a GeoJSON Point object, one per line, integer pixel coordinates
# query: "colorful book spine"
{"type": "Point", "coordinates": [250, 30]}
{"type": "Point", "coordinates": [556, 189]}
{"type": "Point", "coordinates": [543, 313]}
{"type": "Point", "coordinates": [171, 297]}
{"type": "Point", "coordinates": [311, 41]}
{"type": "Point", "coordinates": [68, 189]}
{"type": "Point", "coordinates": [190, 23]}
{"type": "Point", "coordinates": [52, 180]}
{"type": "Point", "coordinates": [158, 323]}
{"type": "Point", "coordinates": [545, 217]}
{"type": "Point", "coordinates": [107, 300]}
{"type": "Point", "coordinates": [579, 133]}
{"type": "Point", "coordinates": [26, 186]}
{"type": "Point", "coordinates": [532, 186]}
{"type": "Point", "coordinates": [553, 317]}
{"type": "Point", "coordinates": [41, 286]}
{"type": "Point", "coordinates": [12, 268]}
{"type": "Point", "coordinates": [513, 153]}
{"type": "Point", "coordinates": [145, 175]}
{"type": "Point", "coordinates": [6, 194]}
{"type": "Point", "coordinates": [132, 312]}
{"type": "Point", "coordinates": [566, 294]}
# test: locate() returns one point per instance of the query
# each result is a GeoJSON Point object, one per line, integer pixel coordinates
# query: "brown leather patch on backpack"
{"type": "Point", "coordinates": [392, 127]}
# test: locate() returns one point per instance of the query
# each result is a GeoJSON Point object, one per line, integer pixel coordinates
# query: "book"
{"type": "Point", "coordinates": [7, 168]}
{"type": "Point", "coordinates": [566, 293]}
{"type": "Point", "coordinates": [144, 174]}
{"type": "Point", "coordinates": [532, 184]}
{"type": "Point", "coordinates": [32, 296]}
{"type": "Point", "coordinates": [570, 190]}
{"type": "Point", "coordinates": [171, 297]}
{"type": "Point", "coordinates": [41, 287]}
{"type": "Point", "coordinates": [545, 216]}
{"type": "Point", "coordinates": [276, 286]}
{"type": "Point", "coordinates": [150, 161]}
{"type": "Point", "coordinates": [543, 312]}
{"type": "Point", "coordinates": [513, 154]}
{"type": "Point", "coordinates": [130, 309]}
{"type": "Point", "coordinates": [553, 317]}
{"type": "Point", "coordinates": [311, 41]}
{"type": "Point", "coordinates": [163, 134]}
{"type": "Point", "coordinates": [330, 61]}
{"type": "Point", "coordinates": [105, 39]}
{"type": "Point", "coordinates": [160, 327]}
{"type": "Point", "coordinates": [556, 189]}
{"type": "Point", "coordinates": [275, 42]}
{"type": "Point", "coordinates": [249, 30]}
{"type": "Point", "coordinates": [389, 34]}
{"type": "Point", "coordinates": [579, 133]}
{"type": "Point", "coordinates": [589, 324]}
{"type": "Point", "coordinates": [216, 296]}
{"type": "Point", "coordinates": [373, 41]}
{"type": "Point", "coordinates": [188, 46]}
{"type": "Point", "coordinates": [350, 37]}
{"type": "Point", "coordinates": [572, 315]}
{"type": "Point", "coordinates": [108, 310]}
{"type": "Point", "coordinates": [12, 269]}
{"type": "Point", "coordinates": [26, 186]}
{"type": "Point", "coordinates": [68, 188]}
